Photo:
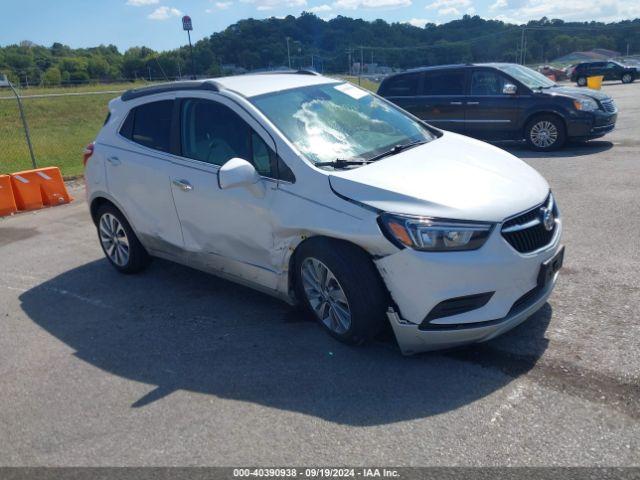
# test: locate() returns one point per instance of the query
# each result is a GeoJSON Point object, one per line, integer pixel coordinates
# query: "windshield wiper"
{"type": "Point", "coordinates": [342, 163]}
{"type": "Point", "coordinates": [396, 149]}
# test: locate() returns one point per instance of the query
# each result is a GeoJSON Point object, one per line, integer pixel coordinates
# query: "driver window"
{"type": "Point", "coordinates": [212, 133]}
{"type": "Point", "coordinates": [487, 82]}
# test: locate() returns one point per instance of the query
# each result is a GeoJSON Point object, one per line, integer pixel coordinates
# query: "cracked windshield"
{"type": "Point", "coordinates": [339, 121]}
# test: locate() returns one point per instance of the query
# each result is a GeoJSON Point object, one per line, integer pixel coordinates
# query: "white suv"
{"type": "Point", "coordinates": [321, 193]}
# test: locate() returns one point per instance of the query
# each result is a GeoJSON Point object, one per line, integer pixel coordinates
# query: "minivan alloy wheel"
{"type": "Point", "coordinates": [325, 295]}
{"type": "Point", "coordinates": [114, 239]}
{"type": "Point", "coordinates": [543, 134]}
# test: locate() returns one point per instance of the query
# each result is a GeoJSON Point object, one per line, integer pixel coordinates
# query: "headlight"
{"type": "Point", "coordinates": [586, 105]}
{"type": "Point", "coordinates": [430, 234]}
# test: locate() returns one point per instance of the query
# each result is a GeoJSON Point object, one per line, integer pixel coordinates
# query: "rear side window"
{"type": "Point", "coordinates": [402, 85]}
{"type": "Point", "coordinates": [444, 83]}
{"type": "Point", "coordinates": [150, 125]}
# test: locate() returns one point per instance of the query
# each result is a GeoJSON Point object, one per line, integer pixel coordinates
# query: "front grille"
{"type": "Point", "coordinates": [527, 232]}
{"type": "Point", "coordinates": [608, 106]}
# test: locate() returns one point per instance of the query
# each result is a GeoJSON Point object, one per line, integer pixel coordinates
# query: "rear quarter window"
{"type": "Point", "coordinates": [150, 125]}
{"type": "Point", "coordinates": [402, 85]}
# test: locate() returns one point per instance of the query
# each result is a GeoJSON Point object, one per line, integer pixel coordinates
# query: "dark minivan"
{"type": "Point", "coordinates": [501, 101]}
{"type": "Point", "coordinates": [609, 70]}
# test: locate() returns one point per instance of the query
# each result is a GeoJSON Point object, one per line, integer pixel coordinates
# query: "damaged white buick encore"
{"type": "Point", "coordinates": [321, 193]}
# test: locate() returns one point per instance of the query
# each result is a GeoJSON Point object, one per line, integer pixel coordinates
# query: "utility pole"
{"type": "Point", "coordinates": [627, 49]}
{"type": "Point", "coordinates": [149, 70]}
{"type": "Point", "coordinates": [521, 59]}
{"type": "Point", "coordinates": [361, 64]}
{"type": "Point", "coordinates": [349, 56]}
{"type": "Point", "coordinates": [288, 53]}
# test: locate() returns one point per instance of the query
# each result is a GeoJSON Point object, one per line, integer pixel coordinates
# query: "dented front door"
{"type": "Point", "coordinates": [231, 230]}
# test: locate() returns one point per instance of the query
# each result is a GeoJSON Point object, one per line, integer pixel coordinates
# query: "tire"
{"type": "Point", "coordinates": [127, 255]}
{"type": "Point", "coordinates": [582, 81]}
{"type": "Point", "coordinates": [364, 294]}
{"type": "Point", "coordinates": [544, 133]}
{"type": "Point", "coordinates": [627, 78]}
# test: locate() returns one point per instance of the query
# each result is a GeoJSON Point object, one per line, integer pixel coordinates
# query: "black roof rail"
{"type": "Point", "coordinates": [302, 71]}
{"type": "Point", "coordinates": [209, 85]}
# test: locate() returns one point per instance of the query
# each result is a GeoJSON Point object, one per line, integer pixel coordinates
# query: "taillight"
{"type": "Point", "coordinates": [88, 151]}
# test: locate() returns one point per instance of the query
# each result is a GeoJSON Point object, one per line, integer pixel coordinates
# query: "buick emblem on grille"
{"type": "Point", "coordinates": [548, 219]}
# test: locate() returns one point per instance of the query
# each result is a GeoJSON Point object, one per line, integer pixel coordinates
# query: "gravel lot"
{"type": "Point", "coordinates": [174, 367]}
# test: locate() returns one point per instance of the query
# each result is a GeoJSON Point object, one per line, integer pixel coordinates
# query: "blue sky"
{"type": "Point", "coordinates": [156, 23]}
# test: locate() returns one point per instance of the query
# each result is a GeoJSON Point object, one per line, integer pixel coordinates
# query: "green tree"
{"type": "Point", "coordinates": [52, 77]}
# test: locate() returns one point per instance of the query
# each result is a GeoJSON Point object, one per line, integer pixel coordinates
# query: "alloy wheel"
{"type": "Point", "coordinates": [626, 78]}
{"type": "Point", "coordinates": [114, 239]}
{"type": "Point", "coordinates": [543, 134]}
{"type": "Point", "coordinates": [325, 295]}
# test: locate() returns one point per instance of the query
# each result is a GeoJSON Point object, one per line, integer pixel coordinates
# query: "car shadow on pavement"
{"type": "Point", "coordinates": [179, 329]}
{"type": "Point", "coordinates": [520, 149]}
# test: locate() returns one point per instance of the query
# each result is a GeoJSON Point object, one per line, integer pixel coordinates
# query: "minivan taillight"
{"type": "Point", "coordinates": [88, 151]}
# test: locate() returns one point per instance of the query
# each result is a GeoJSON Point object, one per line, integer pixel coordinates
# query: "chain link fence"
{"type": "Point", "coordinates": [60, 123]}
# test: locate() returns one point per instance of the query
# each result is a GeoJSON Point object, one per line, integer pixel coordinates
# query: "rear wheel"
{"type": "Point", "coordinates": [118, 241]}
{"type": "Point", "coordinates": [545, 133]}
{"type": "Point", "coordinates": [582, 81]}
{"type": "Point", "coordinates": [341, 288]}
{"type": "Point", "coordinates": [627, 78]}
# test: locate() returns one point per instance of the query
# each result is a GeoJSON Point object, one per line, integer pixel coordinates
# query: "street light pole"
{"type": "Point", "coordinates": [288, 53]}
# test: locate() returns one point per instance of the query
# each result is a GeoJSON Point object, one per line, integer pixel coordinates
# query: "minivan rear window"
{"type": "Point", "coordinates": [406, 85]}
{"type": "Point", "coordinates": [150, 125]}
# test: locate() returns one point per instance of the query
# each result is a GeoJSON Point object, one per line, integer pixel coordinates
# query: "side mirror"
{"type": "Point", "coordinates": [509, 89]}
{"type": "Point", "coordinates": [237, 173]}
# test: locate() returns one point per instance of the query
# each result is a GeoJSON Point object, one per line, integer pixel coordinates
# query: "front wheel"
{"type": "Point", "coordinates": [582, 81]}
{"type": "Point", "coordinates": [118, 241]}
{"type": "Point", "coordinates": [545, 133]}
{"type": "Point", "coordinates": [627, 78]}
{"type": "Point", "coordinates": [341, 288]}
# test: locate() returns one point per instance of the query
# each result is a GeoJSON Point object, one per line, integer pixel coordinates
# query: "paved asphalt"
{"type": "Point", "coordinates": [174, 367]}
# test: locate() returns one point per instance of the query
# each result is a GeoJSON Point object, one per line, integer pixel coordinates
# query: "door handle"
{"type": "Point", "coordinates": [183, 185]}
{"type": "Point", "coordinates": [455, 103]}
{"type": "Point", "coordinates": [114, 160]}
{"type": "Point", "coordinates": [473, 103]}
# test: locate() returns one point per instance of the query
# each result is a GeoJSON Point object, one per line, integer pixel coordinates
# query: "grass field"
{"type": "Point", "coordinates": [61, 126]}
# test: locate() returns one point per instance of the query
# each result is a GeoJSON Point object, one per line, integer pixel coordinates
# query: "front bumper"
{"type": "Point", "coordinates": [591, 124]}
{"type": "Point", "coordinates": [418, 281]}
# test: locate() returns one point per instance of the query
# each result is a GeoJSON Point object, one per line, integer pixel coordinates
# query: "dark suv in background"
{"type": "Point", "coordinates": [609, 70]}
{"type": "Point", "coordinates": [501, 101]}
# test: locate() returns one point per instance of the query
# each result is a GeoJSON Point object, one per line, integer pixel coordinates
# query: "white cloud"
{"type": "Point", "coordinates": [219, 6]}
{"type": "Point", "coordinates": [418, 22]}
{"type": "Point", "coordinates": [354, 4]}
{"type": "Point", "coordinates": [451, 7]}
{"type": "Point", "coordinates": [141, 3]}
{"type": "Point", "coordinates": [320, 8]}
{"type": "Point", "coordinates": [164, 13]}
{"type": "Point", "coordinates": [271, 4]}
{"type": "Point", "coordinates": [521, 11]}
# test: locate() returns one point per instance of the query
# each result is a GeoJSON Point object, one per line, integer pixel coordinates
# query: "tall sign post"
{"type": "Point", "coordinates": [187, 26]}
